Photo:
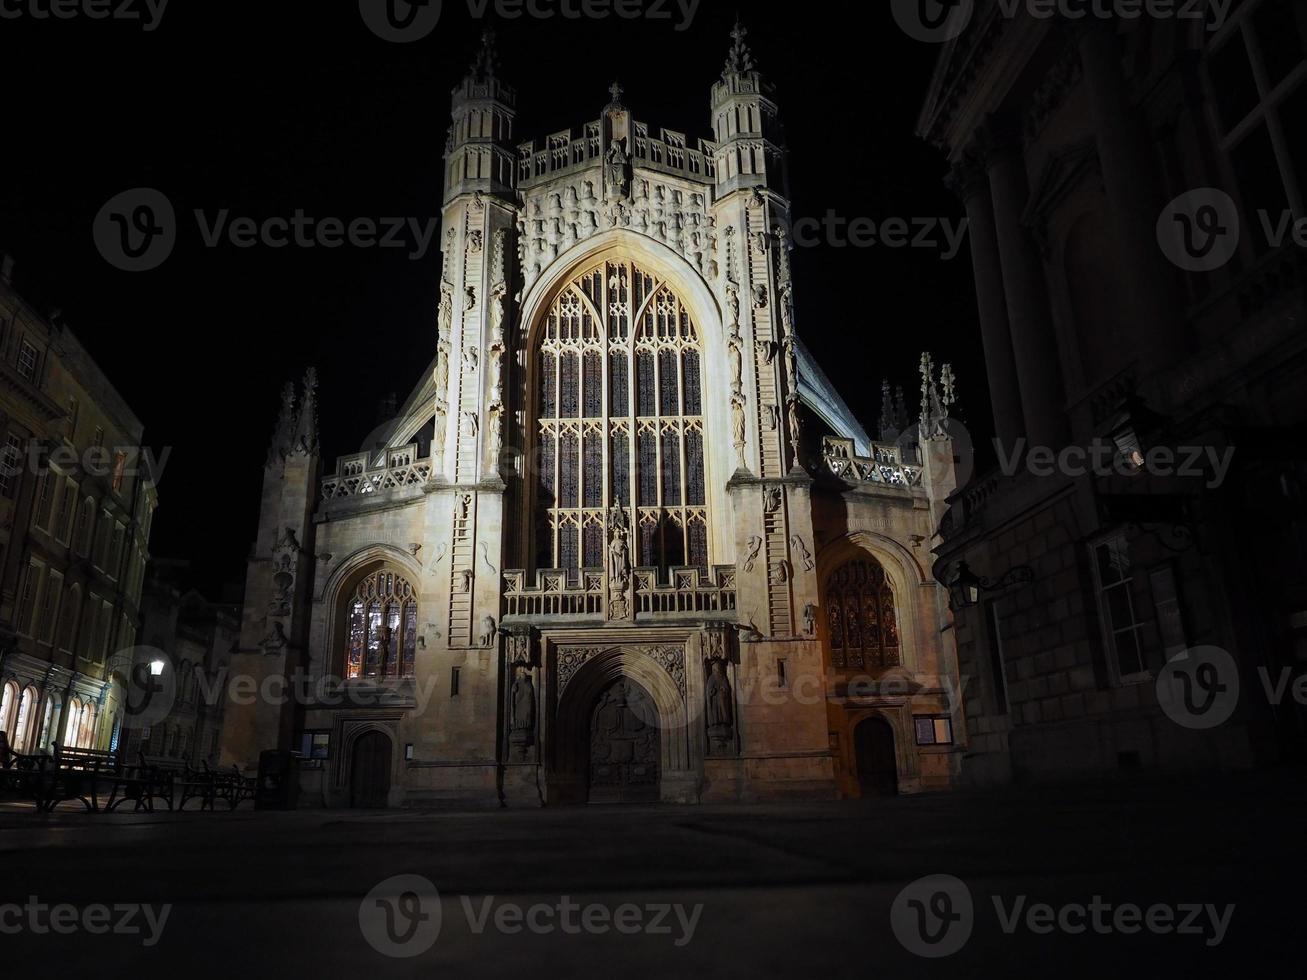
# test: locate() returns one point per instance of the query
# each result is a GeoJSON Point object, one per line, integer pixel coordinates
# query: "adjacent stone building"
{"type": "Point", "coordinates": [624, 542]}
{"type": "Point", "coordinates": [76, 502]}
{"type": "Point", "coordinates": [1178, 525]}
{"type": "Point", "coordinates": [191, 639]}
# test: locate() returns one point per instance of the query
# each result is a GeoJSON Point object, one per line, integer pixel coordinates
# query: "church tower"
{"type": "Point", "coordinates": [752, 214]}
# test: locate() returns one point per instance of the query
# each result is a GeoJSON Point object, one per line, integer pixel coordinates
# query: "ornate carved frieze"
{"type": "Point", "coordinates": [554, 219]}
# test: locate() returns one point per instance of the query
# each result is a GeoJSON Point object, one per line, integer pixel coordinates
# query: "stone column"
{"type": "Point", "coordinates": [1131, 184]}
{"type": "Point", "coordinates": [1034, 346]}
{"type": "Point", "coordinates": [968, 180]}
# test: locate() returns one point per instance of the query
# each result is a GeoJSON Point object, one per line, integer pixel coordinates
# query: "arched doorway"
{"type": "Point", "coordinates": [873, 746]}
{"type": "Point", "coordinates": [369, 772]}
{"type": "Point", "coordinates": [625, 763]}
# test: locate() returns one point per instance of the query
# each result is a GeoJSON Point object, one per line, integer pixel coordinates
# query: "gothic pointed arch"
{"type": "Point", "coordinates": [616, 399]}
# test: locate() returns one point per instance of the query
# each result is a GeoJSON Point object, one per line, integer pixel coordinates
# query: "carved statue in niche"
{"type": "Point", "coordinates": [442, 424]}
{"type": "Point", "coordinates": [464, 506]}
{"type": "Point", "coordinates": [472, 423]}
{"type": "Point", "coordinates": [617, 169]}
{"type": "Point", "coordinates": [489, 629]}
{"type": "Point", "coordinates": [771, 500]}
{"type": "Point", "coordinates": [733, 302]}
{"type": "Point", "coordinates": [796, 428]}
{"type": "Point", "coordinates": [810, 619]}
{"type": "Point", "coordinates": [760, 297]}
{"type": "Point", "coordinates": [766, 349]}
{"type": "Point", "coordinates": [805, 556]}
{"type": "Point", "coordinates": [498, 313]}
{"type": "Point", "coordinates": [475, 242]}
{"type": "Point", "coordinates": [496, 428]}
{"type": "Point", "coordinates": [619, 564]}
{"type": "Point", "coordinates": [719, 709]}
{"type": "Point", "coordinates": [470, 361]}
{"type": "Point", "coordinates": [737, 425]}
{"type": "Point", "coordinates": [466, 576]}
{"type": "Point", "coordinates": [445, 316]}
{"type": "Point", "coordinates": [470, 299]}
{"type": "Point", "coordinates": [773, 417]}
{"type": "Point", "coordinates": [736, 345]}
{"type": "Point", "coordinates": [522, 707]}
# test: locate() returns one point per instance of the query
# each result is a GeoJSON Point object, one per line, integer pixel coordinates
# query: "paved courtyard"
{"type": "Point", "coordinates": [1137, 878]}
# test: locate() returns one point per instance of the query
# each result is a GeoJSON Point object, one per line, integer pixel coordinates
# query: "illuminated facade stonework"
{"type": "Point", "coordinates": [605, 551]}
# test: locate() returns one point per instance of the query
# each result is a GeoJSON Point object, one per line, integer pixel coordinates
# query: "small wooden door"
{"type": "Point", "coordinates": [369, 774]}
{"type": "Point", "coordinates": [873, 741]}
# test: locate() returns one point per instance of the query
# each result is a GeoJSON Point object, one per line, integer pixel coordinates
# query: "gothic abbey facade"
{"type": "Point", "coordinates": [625, 542]}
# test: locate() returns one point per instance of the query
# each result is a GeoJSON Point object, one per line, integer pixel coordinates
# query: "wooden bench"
{"type": "Point", "coordinates": [234, 787]}
{"type": "Point", "coordinates": [20, 774]}
{"type": "Point", "coordinates": [81, 775]}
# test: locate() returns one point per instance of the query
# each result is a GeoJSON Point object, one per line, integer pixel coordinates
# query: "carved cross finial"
{"type": "Point", "coordinates": [616, 91]}
{"type": "Point", "coordinates": [741, 58]}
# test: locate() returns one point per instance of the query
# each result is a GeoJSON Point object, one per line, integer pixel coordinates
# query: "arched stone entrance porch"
{"type": "Point", "coordinates": [620, 731]}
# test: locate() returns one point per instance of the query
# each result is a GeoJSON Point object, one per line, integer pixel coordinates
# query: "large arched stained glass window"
{"type": "Point", "coordinates": [619, 410]}
{"type": "Point", "coordinates": [382, 627]}
{"type": "Point", "coordinates": [860, 618]}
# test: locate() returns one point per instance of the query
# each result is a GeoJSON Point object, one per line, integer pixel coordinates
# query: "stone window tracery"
{"type": "Point", "coordinates": [860, 617]}
{"type": "Point", "coordinates": [381, 627]}
{"type": "Point", "coordinates": [619, 418]}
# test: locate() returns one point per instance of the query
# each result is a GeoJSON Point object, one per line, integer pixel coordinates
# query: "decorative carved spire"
{"type": "Point", "coordinates": [934, 405]}
{"type": "Point", "coordinates": [616, 91]}
{"type": "Point", "coordinates": [740, 59]}
{"type": "Point", "coordinates": [486, 63]}
{"type": "Point", "coordinates": [306, 428]}
{"type": "Point", "coordinates": [283, 434]}
{"type": "Point", "coordinates": [887, 419]}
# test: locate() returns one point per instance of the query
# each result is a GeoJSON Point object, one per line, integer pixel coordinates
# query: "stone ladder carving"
{"type": "Point", "coordinates": [769, 437]}
{"type": "Point", "coordinates": [779, 574]}
{"type": "Point", "coordinates": [462, 573]}
{"type": "Point", "coordinates": [469, 412]}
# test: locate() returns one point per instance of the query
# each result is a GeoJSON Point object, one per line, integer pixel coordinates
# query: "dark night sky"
{"type": "Point", "coordinates": [267, 107]}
